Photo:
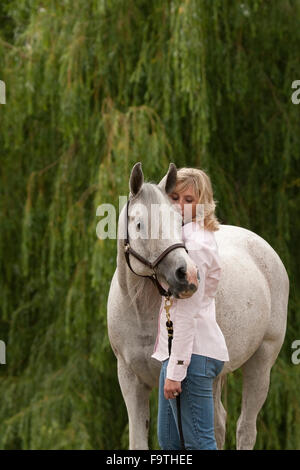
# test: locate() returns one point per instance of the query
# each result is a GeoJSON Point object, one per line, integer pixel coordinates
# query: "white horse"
{"type": "Point", "coordinates": [251, 310]}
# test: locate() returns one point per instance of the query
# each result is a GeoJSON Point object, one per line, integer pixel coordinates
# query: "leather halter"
{"type": "Point", "coordinates": [130, 251]}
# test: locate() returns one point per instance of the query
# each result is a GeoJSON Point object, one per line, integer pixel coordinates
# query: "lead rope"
{"type": "Point", "coordinates": [169, 325]}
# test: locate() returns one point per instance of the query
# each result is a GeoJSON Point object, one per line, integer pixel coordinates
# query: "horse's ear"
{"type": "Point", "coordinates": [136, 179]}
{"type": "Point", "coordinates": [168, 182]}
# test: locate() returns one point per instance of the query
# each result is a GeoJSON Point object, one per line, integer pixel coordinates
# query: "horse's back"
{"type": "Point", "coordinates": [251, 303]}
{"type": "Point", "coordinates": [245, 243]}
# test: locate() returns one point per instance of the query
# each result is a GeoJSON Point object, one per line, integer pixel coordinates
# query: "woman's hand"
{"type": "Point", "coordinates": [170, 387]}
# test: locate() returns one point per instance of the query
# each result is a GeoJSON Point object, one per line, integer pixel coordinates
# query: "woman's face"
{"type": "Point", "coordinates": [186, 202]}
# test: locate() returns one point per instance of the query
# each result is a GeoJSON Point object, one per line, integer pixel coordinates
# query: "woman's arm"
{"type": "Point", "coordinates": [182, 344]}
{"type": "Point", "coordinates": [185, 311]}
{"type": "Point", "coordinates": [213, 275]}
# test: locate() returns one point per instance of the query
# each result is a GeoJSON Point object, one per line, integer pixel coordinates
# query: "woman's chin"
{"type": "Point", "coordinates": [187, 219]}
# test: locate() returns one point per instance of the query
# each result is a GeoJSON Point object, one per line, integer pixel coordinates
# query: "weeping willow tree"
{"type": "Point", "coordinates": [91, 88]}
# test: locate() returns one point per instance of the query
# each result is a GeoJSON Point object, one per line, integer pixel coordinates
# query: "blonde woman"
{"type": "Point", "coordinates": [198, 348]}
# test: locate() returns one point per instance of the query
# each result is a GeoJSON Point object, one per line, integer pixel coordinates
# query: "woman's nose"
{"type": "Point", "coordinates": [180, 205]}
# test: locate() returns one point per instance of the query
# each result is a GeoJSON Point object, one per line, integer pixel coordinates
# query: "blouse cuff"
{"type": "Point", "coordinates": [177, 368]}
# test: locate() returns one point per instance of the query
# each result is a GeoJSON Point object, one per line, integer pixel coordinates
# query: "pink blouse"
{"type": "Point", "coordinates": [195, 329]}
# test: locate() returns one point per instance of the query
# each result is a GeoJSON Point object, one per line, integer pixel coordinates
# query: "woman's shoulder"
{"type": "Point", "coordinates": [200, 242]}
{"type": "Point", "coordinates": [198, 238]}
{"type": "Point", "coordinates": [194, 231]}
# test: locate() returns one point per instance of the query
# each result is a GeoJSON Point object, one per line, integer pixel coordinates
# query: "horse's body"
{"type": "Point", "coordinates": [251, 310]}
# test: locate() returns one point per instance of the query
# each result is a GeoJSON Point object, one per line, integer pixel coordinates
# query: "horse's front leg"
{"type": "Point", "coordinates": [136, 397]}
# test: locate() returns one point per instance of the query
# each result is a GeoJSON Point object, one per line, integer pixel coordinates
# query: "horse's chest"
{"type": "Point", "coordinates": [133, 338]}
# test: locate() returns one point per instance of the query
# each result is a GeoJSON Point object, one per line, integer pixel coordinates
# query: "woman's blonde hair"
{"type": "Point", "coordinates": [202, 187]}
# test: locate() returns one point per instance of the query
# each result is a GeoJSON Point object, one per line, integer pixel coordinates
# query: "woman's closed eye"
{"type": "Point", "coordinates": [188, 200]}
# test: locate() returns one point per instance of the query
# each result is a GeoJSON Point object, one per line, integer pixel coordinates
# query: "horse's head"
{"type": "Point", "coordinates": [153, 226]}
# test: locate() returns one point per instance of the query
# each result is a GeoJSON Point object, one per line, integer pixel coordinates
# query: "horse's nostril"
{"type": "Point", "coordinates": [180, 273]}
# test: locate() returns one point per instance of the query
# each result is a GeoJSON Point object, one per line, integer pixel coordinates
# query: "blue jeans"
{"type": "Point", "coordinates": [196, 403]}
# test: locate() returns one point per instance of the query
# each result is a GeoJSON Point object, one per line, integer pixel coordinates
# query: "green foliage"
{"type": "Point", "coordinates": [92, 87]}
